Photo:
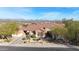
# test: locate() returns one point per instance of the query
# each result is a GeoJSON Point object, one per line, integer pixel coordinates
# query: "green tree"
{"type": "Point", "coordinates": [8, 28]}
{"type": "Point", "coordinates": [60, 31]}
{"type": "Point", "coordinates": [73, 31]}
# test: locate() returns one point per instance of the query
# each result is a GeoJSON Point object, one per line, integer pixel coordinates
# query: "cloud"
{"type": "Point", "coordinates": [29, 13]}
{"type": "Point", "coordinates": [16, 13]}
{"type": "Point", "coordinates": [51, 15]}
{"type": "Point", "coordinates": [60, 15]}
{"type": "Point", "coordinates": [25, 13]}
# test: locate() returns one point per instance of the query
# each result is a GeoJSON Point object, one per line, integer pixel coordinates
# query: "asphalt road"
{"type": "Point", "coordinates": [11, 48]}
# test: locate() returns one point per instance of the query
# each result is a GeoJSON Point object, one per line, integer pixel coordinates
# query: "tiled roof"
{"type": "Point", "coordinates": [39, 26]}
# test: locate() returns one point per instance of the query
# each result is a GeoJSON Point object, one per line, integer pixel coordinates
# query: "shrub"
{"type": "Point", "coordinates": [8, 28]}
{"type": "Point", "coordinates": [33, 36]}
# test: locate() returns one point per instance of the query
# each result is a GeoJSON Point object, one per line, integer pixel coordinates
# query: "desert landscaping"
{"type": "Point", "coordinates": [39, 33]}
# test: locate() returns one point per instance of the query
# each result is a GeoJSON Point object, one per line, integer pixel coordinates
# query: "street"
{"type": "Point", "coordinates": [11, 48]}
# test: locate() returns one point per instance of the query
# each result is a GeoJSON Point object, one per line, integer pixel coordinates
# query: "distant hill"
{"type": "Point", "coordinates": [28, 20]}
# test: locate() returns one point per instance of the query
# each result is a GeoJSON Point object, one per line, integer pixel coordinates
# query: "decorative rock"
{"type": "Point", "coordinates": [40, 41]}
{"type": "Point", "coordinates": [32, 41]}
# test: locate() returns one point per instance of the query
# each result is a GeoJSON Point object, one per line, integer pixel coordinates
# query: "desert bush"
{"type": "Point", "coordinates": [73, 31]}
{"type": "Point", "coordinates": [8, 28]}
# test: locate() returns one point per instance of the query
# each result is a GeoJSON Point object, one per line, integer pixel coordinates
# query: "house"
{"type": "Point", "coordinates": [37, 30]}
{"type": "Point", "coordinates": [40, 28]}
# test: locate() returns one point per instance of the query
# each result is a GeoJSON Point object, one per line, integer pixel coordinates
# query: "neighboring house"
{"type": "Point", "coordinates": [40, 28]}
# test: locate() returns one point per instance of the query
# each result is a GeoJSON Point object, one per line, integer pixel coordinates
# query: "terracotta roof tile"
{"type": "Point", "coordinates": [39, 26]}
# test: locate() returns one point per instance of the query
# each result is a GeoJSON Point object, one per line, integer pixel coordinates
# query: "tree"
{"type": "Point", "coordinates": [59, 34]}
{"type": "Point", "coordinates": [59, 31]}
{"type": "Point", "coordinates": [8, 28]}
{"type": "Point", "coordinates": [73, 31]}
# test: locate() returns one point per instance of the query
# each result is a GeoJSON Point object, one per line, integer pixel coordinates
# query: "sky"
{"type": "Point", "coordinates": [42, 13]}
